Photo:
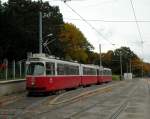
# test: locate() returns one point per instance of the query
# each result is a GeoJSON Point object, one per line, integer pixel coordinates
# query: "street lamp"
{"type": "Point", "coordinates": [40, 32]}
{"type": "Point", "coordinates": [100, 56]}
{"type": "Point", "coordinates": [120, 65]}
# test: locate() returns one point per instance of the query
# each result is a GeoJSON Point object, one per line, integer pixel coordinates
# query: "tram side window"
{"type": "Point", "coordinates": [50, 68]}
{"type": "Point", "coordinates": [101, 72]}
{"type": "Point", "coordinates": [75, 70]}
{"type": "Point", "coordinates": [71, 70]}
{"type": "Point", "coordinates": [93, 71]}
{"type": "Point", "coordinates": [89, 71]}
{"type": "Point", "coordinates": [85, 71]}
{"type": "Point", "coordinates": [109, 72]}
{"type": "Point", "coordinates": [60, 69]}
{"type": "Point", "coordinates": [104, 72]}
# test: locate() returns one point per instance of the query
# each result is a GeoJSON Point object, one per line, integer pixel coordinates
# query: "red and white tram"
{"type": "Point", "coordinates": [47, 74]}
{"type": "Point", "coordinates": [88, 74]}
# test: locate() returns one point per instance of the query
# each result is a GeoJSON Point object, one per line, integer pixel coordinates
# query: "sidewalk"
{"type": "Point", "coordinates": [9, 87]}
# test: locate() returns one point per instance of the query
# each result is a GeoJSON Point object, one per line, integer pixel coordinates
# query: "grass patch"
{"type": "Point", "coordinates": [115, 77]}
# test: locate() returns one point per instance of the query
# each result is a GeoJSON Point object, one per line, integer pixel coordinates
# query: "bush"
{"type": "Point", "coordinates": [115, 77]}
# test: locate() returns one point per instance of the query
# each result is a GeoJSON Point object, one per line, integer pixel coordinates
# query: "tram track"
{"type": "Point", "coordinates": [123, 105]}
{"type": "Point", "coordinates": [23, 104]}
{"type": "Point", "coordinates": [31, 104]}
{"type": "Point", "coordinates": [84, 94]}
{"type": "Point", "coordinates": [54, 105]}
{"type": "Point", "coordinates": [16, 109]}
{"type": "Point", "coordinates": [76, 115]}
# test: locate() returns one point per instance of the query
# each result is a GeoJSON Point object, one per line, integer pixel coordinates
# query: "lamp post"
{"type": "Point", "coordinates": [100, 55]}
{"type": "Point", "coordinates": [120, 65]}
{"type": "Point", "coordinates": [40, 32]}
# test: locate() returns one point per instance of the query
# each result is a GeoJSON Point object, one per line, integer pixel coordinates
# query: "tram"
{"type": "Point", "coordinates": [49, 74]}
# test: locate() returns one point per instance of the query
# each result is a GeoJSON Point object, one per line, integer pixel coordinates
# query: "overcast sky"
{"type": "Point", "coordinates": [120, 33]}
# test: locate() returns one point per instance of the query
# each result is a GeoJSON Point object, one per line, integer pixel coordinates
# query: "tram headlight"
{"type": "Point", "coordinates": [50, 80]}
{"type": "Point", "coordinates": [32, 81]}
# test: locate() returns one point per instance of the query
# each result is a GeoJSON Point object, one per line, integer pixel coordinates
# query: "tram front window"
{"type": "Point", "coordinates": [36, 69]}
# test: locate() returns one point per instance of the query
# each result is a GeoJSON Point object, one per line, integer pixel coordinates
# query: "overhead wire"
{"type": "Point", "coordinates": [101, 20]}
{"type": "Point", "coordinates": [138, 27]}
{"type": "Point", "coordinates": [89, 24]}
{"type": "Point", "coordinates": [99, 33]}
{"type": "Point", "coordinates": [136, 21]}
{"type": "Point", "coordinates": [140, 34]}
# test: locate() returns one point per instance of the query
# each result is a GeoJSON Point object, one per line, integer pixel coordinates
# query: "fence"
{"type": "Point", "coordinates": [12, 70]}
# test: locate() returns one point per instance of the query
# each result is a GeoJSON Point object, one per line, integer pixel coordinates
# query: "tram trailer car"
{"type": "Point", "coordinates": [89, 74]}
{"type": "Point", "coordinates": [107, 75]}
{"type": "Point", "coordinates": [47, 74]}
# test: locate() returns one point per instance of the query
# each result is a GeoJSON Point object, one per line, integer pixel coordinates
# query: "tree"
{"type": "Point", "coordinates": [126, 54]}
{"type": "Point", "coordinates": [75, 45]}
{"type": "Point", "coordinates": [107, 58]}
{"type": "Point", "coordinates": [93, 58]}
{"type": "Point", "coordinates": [19, 27]}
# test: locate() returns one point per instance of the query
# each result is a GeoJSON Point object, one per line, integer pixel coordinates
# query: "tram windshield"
{"type": "Point", "coordinates": [36, 68]}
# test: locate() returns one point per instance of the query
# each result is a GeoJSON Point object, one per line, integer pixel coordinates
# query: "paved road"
{"type": "Point", "coordinates": [121, 100]}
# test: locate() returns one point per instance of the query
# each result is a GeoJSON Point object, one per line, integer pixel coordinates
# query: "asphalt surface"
{"type": "Point", "coordinates": [121, 100]}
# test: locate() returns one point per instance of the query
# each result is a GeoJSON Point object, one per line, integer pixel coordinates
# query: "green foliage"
{"type": "Point", "coordinates": [93, 58]}
{"type": "Point", "coordinates": [19, 27]}
{"type": "Point", "coordinates": [19, 35]}
{"type": "Point", "coordinates": [126, 54]}
{"type": "Point", "coordinates": [115, 77]}
{"type": "Point", "coordinates": [111, 59]}
{"type": "Point", "coordinates": [75, 45]}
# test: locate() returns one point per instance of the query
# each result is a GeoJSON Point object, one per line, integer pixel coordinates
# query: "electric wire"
{"type": "Point", "coordinates": [140, 34]}
{"type": "Point", "coordinates": [89, 24]}
{"type": "Point", "coordinates": [138, 27]}
{"type": "Point", "coordinates": [101, 20]}
{"type": "Point", "coordinates": [99, 33]}
{"type": "Point", "coordinates": [136, 21]}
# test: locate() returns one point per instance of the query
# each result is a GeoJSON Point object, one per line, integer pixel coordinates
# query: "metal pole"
{"type": "Point", "coordinates": [6, 70]}
{"type": "Point", "coordinates": [121, 65]}
{"type": "Point", "coordinates": [14, 69]}
{"type": "Point", "coordinates": [100, 55]}
{"type": "Point", "coordinates": [40, 32]}
{"type": "Point", "coordinates": [25, 69]}
{"type": "Point", "coordinates": [142, 69]}
{"type": "Point", "coordinates": [20, 68]}
{"type": "Point", "coordinates": [130, 66]}
{"type": "Point", "coordinates": [127, 67]}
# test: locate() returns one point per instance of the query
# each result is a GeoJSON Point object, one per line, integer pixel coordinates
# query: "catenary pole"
{"type": "Point", "coordinates": [121, 65]}
{"type": "Point", "coordinates": [40, 32]}
{"type": "Point", "coordinates": [100, 55]}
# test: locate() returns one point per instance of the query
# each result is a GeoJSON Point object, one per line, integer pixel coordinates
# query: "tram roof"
{"type": "Point", "coordinates": [44, 57]}
{"type": "Point", "coordinates": [52, 59]}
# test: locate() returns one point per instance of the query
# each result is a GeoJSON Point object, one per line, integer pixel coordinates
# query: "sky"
{"type": "Point", "coordinates": [114, 22]}
{"type": "Point", "coordinates": [123, 33]}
